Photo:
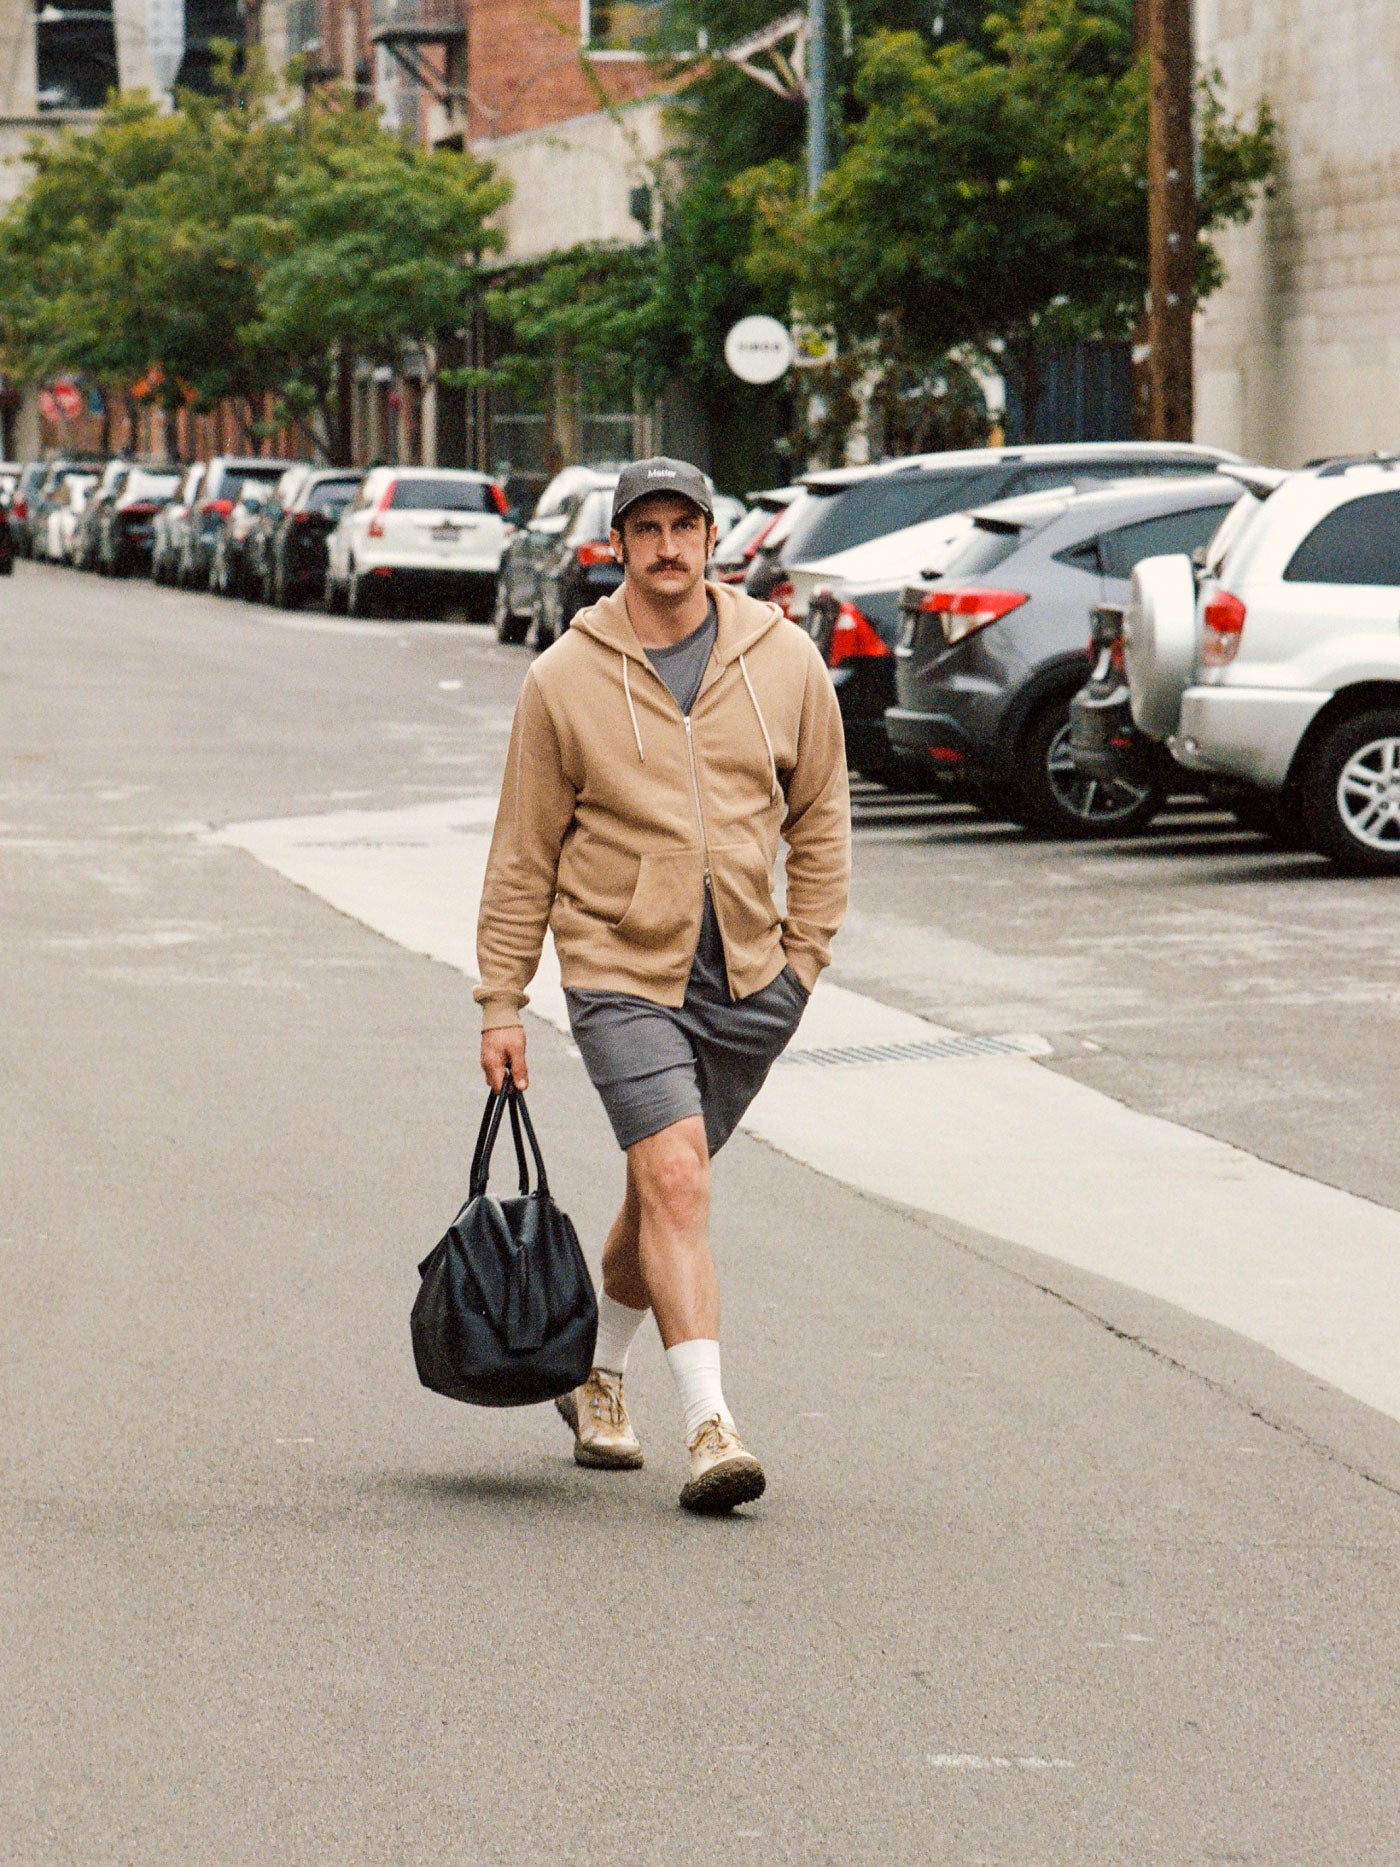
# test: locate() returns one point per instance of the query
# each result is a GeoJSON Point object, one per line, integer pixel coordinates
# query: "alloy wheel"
{"type": "Point", "coordinates": [1368, 795]}
{"type": "Point", "coordinates": [1097, 802]}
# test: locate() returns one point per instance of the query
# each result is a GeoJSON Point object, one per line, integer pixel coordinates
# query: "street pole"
{"type": "Point", "coordinates": [817, 159]}
{"type": "Point", "coordinates": [1171, 218]}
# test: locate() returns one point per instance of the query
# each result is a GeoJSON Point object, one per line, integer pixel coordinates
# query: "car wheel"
{"type": "Point", "coordinates": [284, 591]}
{"type": "Point", "coordinates": [1351, 792]}
{"type": "Point", "coordinates": [510, 628]}
{"type": "Point", "coordinates": [334, 593]}
{"type": "Point", "coordinates": [1058, 800]}
{"type": "Point", "coordinates": [361, 595]}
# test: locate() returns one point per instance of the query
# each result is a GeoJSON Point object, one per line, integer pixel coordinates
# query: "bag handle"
{"type": "Point", "coordinates": [497, 1101]}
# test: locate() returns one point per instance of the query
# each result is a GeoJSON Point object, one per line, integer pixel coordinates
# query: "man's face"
{"type": "Point", "coordinates": [664, 544]}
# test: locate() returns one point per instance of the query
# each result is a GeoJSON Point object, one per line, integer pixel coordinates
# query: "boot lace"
{"type": "Point", "coordinates": [605, 1398]}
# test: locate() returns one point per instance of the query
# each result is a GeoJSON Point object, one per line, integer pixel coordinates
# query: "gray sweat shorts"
{"type": "Point", "coordinates": [654, 1064]}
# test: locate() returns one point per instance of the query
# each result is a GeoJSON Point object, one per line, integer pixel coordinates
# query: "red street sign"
{"type": "Point", "coordinates": [68, 399]}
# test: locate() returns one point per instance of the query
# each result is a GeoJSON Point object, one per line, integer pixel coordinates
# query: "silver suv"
{"type": "Point", "coordinates": [1278, 664]}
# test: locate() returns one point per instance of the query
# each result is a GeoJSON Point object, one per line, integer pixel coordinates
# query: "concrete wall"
{"type": "Point", "coordinates": [1299, 354]}
{"type": "Point", "coordinates": [573, 178]}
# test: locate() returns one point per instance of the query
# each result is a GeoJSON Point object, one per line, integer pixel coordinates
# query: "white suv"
{"type": "Point", "coordinates": [1279, 665]}
{"type": "Point", "coordinates": [433, 531]}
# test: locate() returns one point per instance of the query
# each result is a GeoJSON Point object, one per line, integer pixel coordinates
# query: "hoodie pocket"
{"type": "Point", "coordinates": [662, 910]}
{"type": "Point", "coordinates": [742, 878]}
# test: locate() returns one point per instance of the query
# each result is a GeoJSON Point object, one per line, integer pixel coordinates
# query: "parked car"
{"type": "Point", "coordinates": [1277, 667]}
{"type": "Point", "coordinates": [172, 523]}
{"type": "Point", "coordinates": [729, 511]}
{"type": "Point", "coordinates": [433, 535]}
{"type": "Point", "coordinates": [7, 543]}
{"type": "Point", "coordinates": [228, 572]}
{"type": "Point", "coordinates": [736, 550]}
{"type": "Point", "coordinates": [21, 502]}
{"type": "Point", "coordinates": [64, 516]}
{"type": "Point", "coordinates": [990, 654]}
{"type": "Point", "coordinates": [10, 471]}
{"type": "Point", "coordinates": [218, 489]}
{"type": "Point", "coordinates": [87, 535]}
{"type": "Point", "coordinates": [287, 546]}
{"type": "Point", "coordinates": [127, 522]}
{"type": "Point", "coordinates": [851, 506]}
{"type": "Point", "coordinates": [535, 546]}
{"type": "Point", "coordinates": [47, 494]}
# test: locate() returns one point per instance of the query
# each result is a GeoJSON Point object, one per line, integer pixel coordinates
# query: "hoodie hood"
{"type": "Point", "coordinates": [742, 621]}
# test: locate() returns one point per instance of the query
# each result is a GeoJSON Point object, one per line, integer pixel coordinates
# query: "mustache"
{"type": "Point", "coordinates": [665, 564]}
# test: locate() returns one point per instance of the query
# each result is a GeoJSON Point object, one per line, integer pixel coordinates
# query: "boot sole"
{"type": "Point", "coordinates": [588, 1456]}
{"type": "Point", "coordinates": [737, 1481]}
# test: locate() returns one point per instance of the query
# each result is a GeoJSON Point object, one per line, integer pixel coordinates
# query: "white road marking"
{"type": "Point", "coordinates": [963, 1760]}
{"type": "Point", "coordinates": [994, 1142]}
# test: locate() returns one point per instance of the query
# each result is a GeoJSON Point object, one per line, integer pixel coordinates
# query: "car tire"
{"type": "Point", "coordinates": [1057, 800]}
{"type": "Point", "coordinates": [284, 591]}
{"type": "Point", "coordinates": [360, 595]}
{"type": "Point", "coordinates": [333, 592]}
{"type": "Point", "coordinates": [510, 628]}
{"type": "Point", "coordinates": [1351, 793]}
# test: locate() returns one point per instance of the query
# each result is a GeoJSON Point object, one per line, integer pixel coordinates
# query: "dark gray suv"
{"type": "Point", "coordinates": [991, 653]}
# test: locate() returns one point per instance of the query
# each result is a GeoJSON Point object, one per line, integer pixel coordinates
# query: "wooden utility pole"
{"type": "Point", "coordinates": [1171, 216]}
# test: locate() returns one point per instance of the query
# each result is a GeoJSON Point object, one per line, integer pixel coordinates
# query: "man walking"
{"type": "Point", "coordinates": [660, 748]}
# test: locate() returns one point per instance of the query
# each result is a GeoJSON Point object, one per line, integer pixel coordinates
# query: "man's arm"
{"type": "Point", "coordinates": [817, 829]}
{"type": "Point", "coordinates": [532, 819]}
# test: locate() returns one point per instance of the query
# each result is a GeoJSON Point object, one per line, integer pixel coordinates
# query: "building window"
{"type": "Point", "coordinates": [75, 54]}
{"type": "Point", "coordinates": [627, 28]}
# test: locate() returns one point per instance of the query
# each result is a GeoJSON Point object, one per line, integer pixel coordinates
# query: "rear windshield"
{"type": "Point", "coordinates": [232, 481]}
{"type": "Point", "coordinates": [441, 496]}
{"type": "Point", "coordinates": [873, 508]}
{"type": "Point", "coordinates": [594, 519]}
{"type": "Point", "coordinates": [732, 546]}
{"type": "Point", "coordinates": [983, 550]}
{"type": "Point", "coordinates": [152, 485]}
{"type": "Point", "coordinates": [331, 495]}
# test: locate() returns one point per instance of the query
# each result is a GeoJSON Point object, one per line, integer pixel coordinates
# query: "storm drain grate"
{"type": "Point", "coordinates": [922, 1051]}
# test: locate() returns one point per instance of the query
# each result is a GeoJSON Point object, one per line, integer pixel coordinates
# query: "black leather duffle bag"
{"type": "Point", "coordinates": [505, 1315]}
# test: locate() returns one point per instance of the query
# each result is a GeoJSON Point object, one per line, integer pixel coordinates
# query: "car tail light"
{"type": "Point", "coordinates": [143, 509]}
{"type": "Point", "coordinates": [376, 524]}
{"type": "Point", "coordinates": [593, 554]}
{"type": "Point", "coordinates": [221, 507]}
{"type": "Point", "coordinates": [729, 573]}
{"type": "Point", "coordinates": [19, 510]}
{"type": "Point", "coordinates": [782, 594]}
{"type": "Point", "coordinates": [1224, 624]}
{"type": "Point", "coordinates": [963, 612]}
{"type": "Point", "coordinates": [853, 635]}
{"type": "Point", "coordinates": [498, 494]}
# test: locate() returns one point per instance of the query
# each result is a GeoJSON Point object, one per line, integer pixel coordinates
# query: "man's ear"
{"type": "Point", "coordinates": [619, 550]}
{"type": "Point", "coordinates": [711, 541]}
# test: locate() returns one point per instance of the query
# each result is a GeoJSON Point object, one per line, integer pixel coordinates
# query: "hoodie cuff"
{"type": "Point", "coordinates": [806, 965]}
{"type": "Point", "coordinates": [500, 1011]}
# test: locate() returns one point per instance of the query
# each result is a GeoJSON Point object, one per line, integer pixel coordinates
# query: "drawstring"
{"type": "Point", "coordinates": [762, 727]}
{"type": "Point", "coordinates": [636, 729]}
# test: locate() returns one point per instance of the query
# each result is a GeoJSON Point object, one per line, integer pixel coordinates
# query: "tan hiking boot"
{"type": "Point", "coordinates": [722, 1473]}
{"type": "Point", "coordinates": [603, 1436]}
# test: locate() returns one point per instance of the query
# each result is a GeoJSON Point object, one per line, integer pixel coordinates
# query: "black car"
{"type": "Point", "coordinates": [850, 506]}
{"type": "Point", "coordinates": [286, 552]}
{"type": "Point", "coordinates": [991, 653]}
{"type": "Point", "coordinates": [7, 542]}
{"type": "Point", "coordinates": [125, 527]}
{"type": "Point", "coordinates": [220, 487]}
{"type": "Point", "coordinates": [558, 564]}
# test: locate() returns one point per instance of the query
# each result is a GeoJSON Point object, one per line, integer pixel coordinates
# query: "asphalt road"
{"type": "Point", "coordinates": [1049, 1571]}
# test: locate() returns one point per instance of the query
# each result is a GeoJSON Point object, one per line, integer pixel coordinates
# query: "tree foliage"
{"type": "Point", "coordinates": [238, 246]}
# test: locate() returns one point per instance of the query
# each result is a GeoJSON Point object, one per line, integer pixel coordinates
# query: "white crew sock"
{"type": "Point", "coordinates": [618, 1324]}
{"type": "Point", "coordinates": [695, 1369]}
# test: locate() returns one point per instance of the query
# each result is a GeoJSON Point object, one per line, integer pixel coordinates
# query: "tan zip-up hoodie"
{"type": "Point", "coordinates": [614, 808]}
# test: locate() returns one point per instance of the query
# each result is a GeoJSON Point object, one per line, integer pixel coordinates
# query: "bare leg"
{"type": "Point", "coordinates": [659, 1249]}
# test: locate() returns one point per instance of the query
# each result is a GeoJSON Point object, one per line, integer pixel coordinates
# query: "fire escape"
{"type": "Point", "coordinates": [409, 30]}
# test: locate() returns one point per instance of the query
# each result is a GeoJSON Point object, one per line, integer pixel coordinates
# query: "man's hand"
{"type": "Point", "coordinates": [501, 1047]}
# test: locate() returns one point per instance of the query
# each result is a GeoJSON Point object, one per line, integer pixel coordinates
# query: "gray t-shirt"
{"type": "Point", "coordinates": [682, 666]}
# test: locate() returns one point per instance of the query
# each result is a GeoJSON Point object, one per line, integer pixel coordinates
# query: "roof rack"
{"type": "Point", "coordinates": [1332, 468]}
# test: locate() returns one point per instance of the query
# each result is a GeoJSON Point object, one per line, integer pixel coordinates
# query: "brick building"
{"type": "Point", "coordinates": [1299, 354]}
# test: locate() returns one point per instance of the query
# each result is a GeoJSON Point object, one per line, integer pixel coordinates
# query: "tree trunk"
{"type": "Point", "coordinates": [343, 443]}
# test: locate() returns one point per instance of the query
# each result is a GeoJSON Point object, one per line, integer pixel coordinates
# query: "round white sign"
{"type": "Point", "coordinates": [758, 349]}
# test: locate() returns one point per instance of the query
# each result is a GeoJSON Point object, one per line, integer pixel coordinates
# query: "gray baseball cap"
{"type": "Point", "coordinates": [660, 475]}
